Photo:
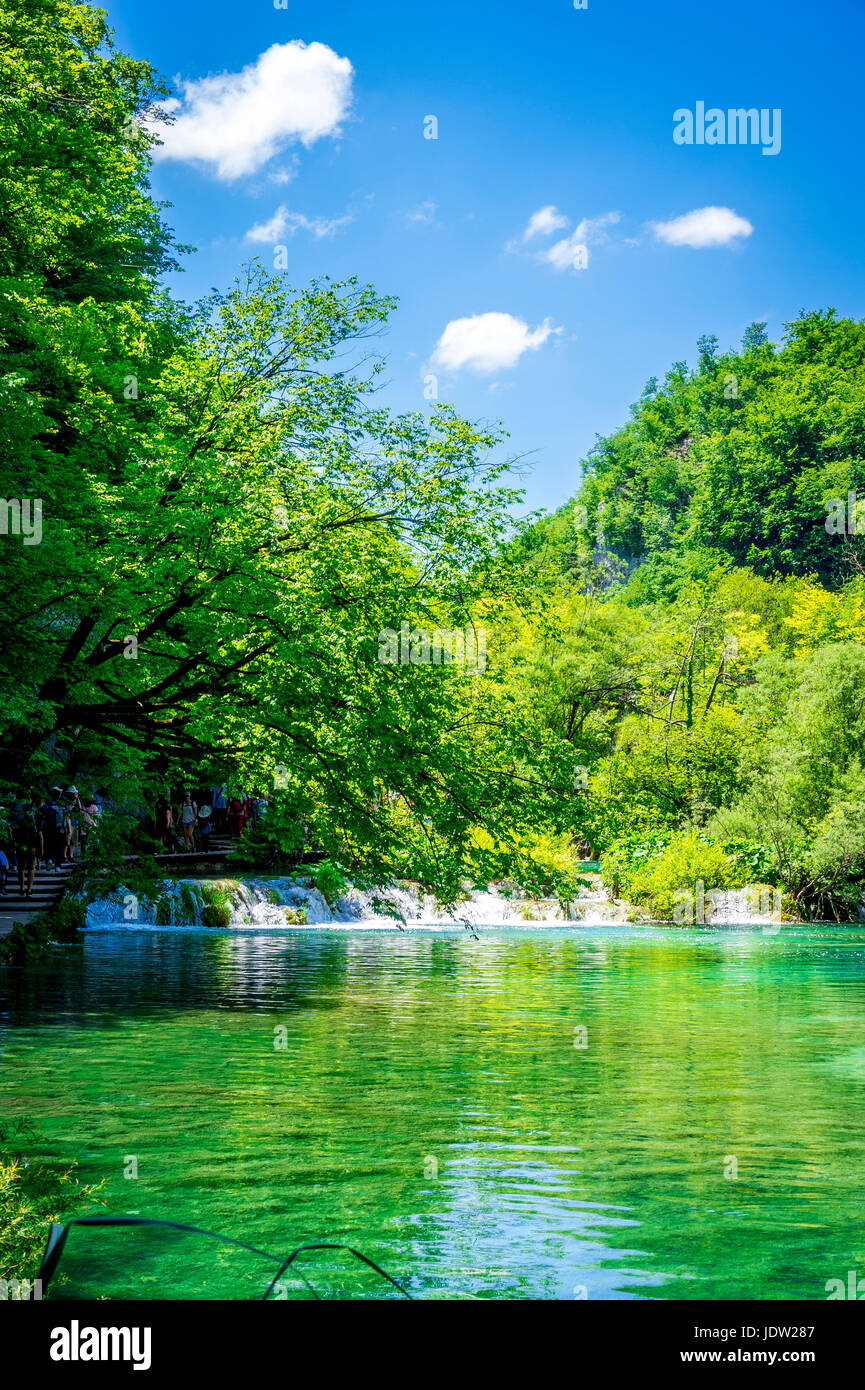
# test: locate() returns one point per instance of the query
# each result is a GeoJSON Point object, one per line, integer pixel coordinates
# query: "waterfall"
{"type": "Point", "coordinates": [292, 902]}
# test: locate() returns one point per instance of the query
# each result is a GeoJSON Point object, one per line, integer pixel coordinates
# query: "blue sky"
{"type": "Point", "coordinates": [538, 107]}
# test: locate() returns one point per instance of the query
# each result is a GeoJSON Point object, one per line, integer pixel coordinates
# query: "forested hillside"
{"type": "Point", "coordinates": [703, 620]}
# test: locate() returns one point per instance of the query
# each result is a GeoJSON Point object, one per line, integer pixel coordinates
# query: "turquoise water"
{"type": "Point", "coordinates": [426, 1103]}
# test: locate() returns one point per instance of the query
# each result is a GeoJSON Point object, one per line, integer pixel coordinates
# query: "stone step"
{"type": "Point", "coordinates": [42, 890]}
{"type": "Point", "coordinates": [16, 899]}
{"type": "Point", "coordinates": [55, 881]}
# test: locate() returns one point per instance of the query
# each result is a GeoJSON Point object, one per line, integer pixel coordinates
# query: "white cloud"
{"type": "Point", "coordinates": [287, 172]}
{"type": "Point", "coordinates": [568, 254]}
{"type": "Point", "coordinates": [487, 342]}
{"type": "Point", "coordinates": [572, 252]}
{"type": "Point", "coordinates": [236, 121]}
{"type": "Point", "coordinates": [544, 222]}
{"type": "Point", "coordinates": [703, 227]}
{"type": "Point", "coordinates": [424, 213]}
{"type": "Point", "coordinates": [284, 222]}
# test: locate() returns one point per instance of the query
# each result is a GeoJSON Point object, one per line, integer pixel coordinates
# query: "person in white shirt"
{"type": "Point", "coordinates": [188, 820]}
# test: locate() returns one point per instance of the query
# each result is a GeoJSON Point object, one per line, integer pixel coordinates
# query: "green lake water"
{"type": "Point", "coordinates": [429, 1107]}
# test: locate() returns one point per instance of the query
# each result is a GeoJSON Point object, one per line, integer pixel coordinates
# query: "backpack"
{"type": "Point", "coordinates": [24, 830]}
{"type": "Point", "coordinates": [58, 814]}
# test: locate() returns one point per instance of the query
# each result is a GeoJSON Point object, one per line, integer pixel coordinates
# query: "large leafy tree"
{"type": "Point", "coordinates": [81, 248]}
{"type": "Point", "coordinates": [230, 518]}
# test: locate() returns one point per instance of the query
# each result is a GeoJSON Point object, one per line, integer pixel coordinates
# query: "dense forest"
{"type": "Point", "coordinates": [230, 519]}
{"type": "Point", "coordinates": [703, 602]}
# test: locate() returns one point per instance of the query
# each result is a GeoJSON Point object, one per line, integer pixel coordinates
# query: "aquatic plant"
{"type": "Point", "coordinates": [33, 1194]}
{"type": "Point", "coordinates": [216, 915]}
{"type": "Point", "coordinates": [330, 880]}
{"type": "Point", "coordinates": [188, 900]}
{"type": "Point", "coordinates": [163, 910]}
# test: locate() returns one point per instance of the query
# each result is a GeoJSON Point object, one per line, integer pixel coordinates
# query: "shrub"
{"type": "Point", "coordinates": [28, 942]}
{"type": "Point", "coordinates": [329, 880]}
{"type": "Point", "coordinates": [25, 943]}
{"type": "Point", "coordinates": [33, 1194]}
{"type": "Point", "coordinates": [661, 880]}
{"type": "Point", "coordinates": [216, 915]}
{"type": "Point", "coordinates": [105, 867]}
{"type": "Point", "coordinates": [66, 918]}
{"type": "Point", "coordinates": [626, 856]}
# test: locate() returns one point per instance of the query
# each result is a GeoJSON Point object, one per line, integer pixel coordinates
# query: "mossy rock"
{"type": "Point", "coordinates": [188, 900]}
{"type": "Point", "coordinates": [163, 910]}
{"type": "Point", "coordinates": [216, 915]}
{"type": "Point", "coordinates": [217, 893]}
{"type": "Point", "coordinates": [296, 916]}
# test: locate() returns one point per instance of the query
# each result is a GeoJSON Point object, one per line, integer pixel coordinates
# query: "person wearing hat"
{"type": "Point", "coordinates": [205, 826]}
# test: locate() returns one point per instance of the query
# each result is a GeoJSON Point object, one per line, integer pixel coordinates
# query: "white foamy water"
{"type": "Point", "coordinates": [285, 902]}
{"type": "Point", "coordinates": [744, 906]}
{"type": "Point", "coordinates": [288, 902]}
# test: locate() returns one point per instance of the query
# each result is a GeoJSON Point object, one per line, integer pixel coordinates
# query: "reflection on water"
{"type": "Point", "coordinates": [428, 1100]}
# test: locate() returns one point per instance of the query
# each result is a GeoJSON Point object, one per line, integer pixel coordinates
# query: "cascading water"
{"type": "Point", "coordinates": [288, 902]}
{"type": "Point", "coordinates": [292, 902]}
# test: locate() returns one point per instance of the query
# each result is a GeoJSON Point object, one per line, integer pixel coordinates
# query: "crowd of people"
{"type": "Point", "coordinates": [186, 826]}
{"type": "Point", "coordinates": [48, 831]}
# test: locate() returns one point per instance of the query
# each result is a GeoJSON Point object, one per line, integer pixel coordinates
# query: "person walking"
{"type": "Point", "coordinates": [205, 827]}
{"type": "Point", "coordinates": [89, 820]}
{"type": "Point", "coordinates": [54, 830]}
{"type": "Point", "coordinates": [219, 803]}
{"type": "Point", "coordinates": [188, 820]}
{"type": "Point", "coordinates": [72, 827]}
{"type": "Point", "coordinates": [25, 835]}
{"type": "Point", "coordinates": [36, 804]}
{"type": "Point", "coordinates": [235, 816]}
{"type": "Point", "coordinates": [163, 821]}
